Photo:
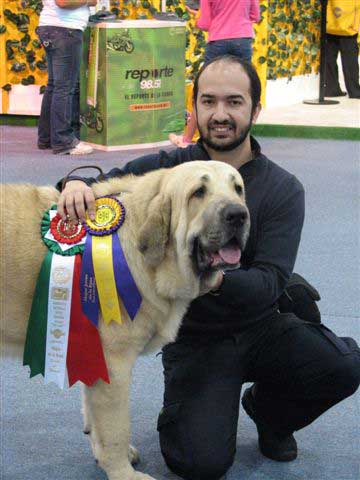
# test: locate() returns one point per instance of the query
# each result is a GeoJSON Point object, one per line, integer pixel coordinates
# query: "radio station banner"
{"type": "Point", "coordinates": [132, 83]}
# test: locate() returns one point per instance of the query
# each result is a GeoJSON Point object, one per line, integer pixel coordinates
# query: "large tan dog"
{"type": "Point", "coordinates": [182, 225]}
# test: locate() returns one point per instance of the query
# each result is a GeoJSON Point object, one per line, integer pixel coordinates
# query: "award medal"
{"type": "Point", "coordinates": [105, 273]}
{"type": "Point", "coordinates": [66, 231]}
{"type": "Point", "coordinates": [62, 344]}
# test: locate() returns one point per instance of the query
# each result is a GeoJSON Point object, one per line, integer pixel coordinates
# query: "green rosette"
{"type": "Point", "coordinates": [52, 245]}
{"type": "Point", "coordinates": [35, 344]}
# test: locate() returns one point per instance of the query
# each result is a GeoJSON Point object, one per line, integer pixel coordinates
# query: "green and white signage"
{"type": "Point", "coordinates": [132, 83]}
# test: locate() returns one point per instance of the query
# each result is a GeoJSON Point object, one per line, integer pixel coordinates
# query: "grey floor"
{"type": "Point", "coordinates": [41, 435]}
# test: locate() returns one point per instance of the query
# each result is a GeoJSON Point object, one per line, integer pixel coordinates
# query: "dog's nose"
{"type": "Point", "coordinates": [235, 215]}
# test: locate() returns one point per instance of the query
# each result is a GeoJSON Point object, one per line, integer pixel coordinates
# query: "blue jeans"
{"type": "Point", "coordinates": [59, 123]}
{"type": "Point", "coordinates": [241, 47]}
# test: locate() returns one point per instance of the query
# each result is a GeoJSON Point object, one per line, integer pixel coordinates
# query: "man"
{"type": "Point", "coordinates": [60, 30]}
{"type": "Point", "coordinates": [342, 28]}
{"type": "Point", "coordinates": [230, 27]}
{"type": "Point", "coordinates": [236, 334]}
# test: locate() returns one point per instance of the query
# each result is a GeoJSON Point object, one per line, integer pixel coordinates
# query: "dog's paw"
{"type": "Point", "coordinates": [142, 476]}
{"type": "Point", "coordinates": [128, 475]}
{"type": "Point", "coordinates": [134, 456]}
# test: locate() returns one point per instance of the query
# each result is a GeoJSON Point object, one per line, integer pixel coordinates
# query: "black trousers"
{"type": "Point", "coordinates": [349, 50]}
{"type": "Point", "coordinates": [300, 369]}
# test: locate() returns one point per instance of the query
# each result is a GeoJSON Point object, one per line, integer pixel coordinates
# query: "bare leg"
{"type": "Point", "coordinates": [190, 127]}
{"type": "Point", "coordinates": [183, 141]}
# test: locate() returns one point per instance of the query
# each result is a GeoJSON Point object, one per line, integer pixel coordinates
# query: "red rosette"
{"type": "Point", "coordinates": [66, 231]}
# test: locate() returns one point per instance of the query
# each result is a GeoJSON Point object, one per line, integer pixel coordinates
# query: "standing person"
{"type": "Point", "coordinates": [342, 28]}
{"type": "Point", "coordinates": [60, 30]}
{"type": "Point", "coordinates": [230, 27]}
{"type": "Point", "coordinates": [236, 334]}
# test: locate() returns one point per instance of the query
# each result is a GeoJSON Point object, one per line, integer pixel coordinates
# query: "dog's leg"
{"type": "Point", "coordinates": [134, 457]}
{"type": "Point", "coordinates": [133, 454]}
{"type": "Point", "coordinates": [85, 412]}
{"type": "Point", "coordinates": [107, 407]}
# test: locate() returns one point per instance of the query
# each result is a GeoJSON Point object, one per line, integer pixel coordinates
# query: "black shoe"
{"type": "Point", "coordinates": [272, 445]}
{"type": "Point", "coordinates": [337, 94]}
{"type": "Point", "coordinates": [44, 146]}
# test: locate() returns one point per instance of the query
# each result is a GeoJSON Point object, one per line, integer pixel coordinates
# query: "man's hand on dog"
{"type": "Point", "coordinates": [75, 199]}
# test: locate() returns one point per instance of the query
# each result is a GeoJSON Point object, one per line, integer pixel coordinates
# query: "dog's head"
{"type": "Point", "coordinates": [196, 224]}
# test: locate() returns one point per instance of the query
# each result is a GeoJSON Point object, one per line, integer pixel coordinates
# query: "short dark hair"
{"type": "Point", "coordinates": [255, 84]}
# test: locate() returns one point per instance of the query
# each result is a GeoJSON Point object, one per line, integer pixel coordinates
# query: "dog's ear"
{"type": "Point", "coordinates": [154, 234]}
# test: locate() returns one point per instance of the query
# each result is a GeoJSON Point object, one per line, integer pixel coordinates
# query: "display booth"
{"type": "Point", "coordinates": [132, 83]}
{"type": "Point", "coordinates": [285, 54]}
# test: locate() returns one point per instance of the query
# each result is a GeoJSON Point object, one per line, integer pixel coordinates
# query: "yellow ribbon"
{"type": "Point", "coordinates": [105, 279]}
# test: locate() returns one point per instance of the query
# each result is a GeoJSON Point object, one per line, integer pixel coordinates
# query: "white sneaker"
{"type": "Point", "coordinates": [81, 149]}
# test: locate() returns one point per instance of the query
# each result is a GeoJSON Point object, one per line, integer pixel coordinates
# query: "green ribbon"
{"type": "Point", "coordinates": [35, 345]}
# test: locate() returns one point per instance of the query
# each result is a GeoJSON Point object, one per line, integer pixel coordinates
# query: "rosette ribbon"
{"type": "Point", "coordinates": [105, 273]}
{"type": "Point", "coordinates": [62, 344]}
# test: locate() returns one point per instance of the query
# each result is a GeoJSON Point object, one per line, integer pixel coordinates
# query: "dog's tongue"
{"type": "Point", "coordinates": [229, 254]}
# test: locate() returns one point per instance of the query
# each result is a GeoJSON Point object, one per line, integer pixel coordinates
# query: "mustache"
{"type": "Point", "coordinates": [225, 123]}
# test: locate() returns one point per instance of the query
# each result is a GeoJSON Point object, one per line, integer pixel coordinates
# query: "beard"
{"type": "Point", "coordinates": [219, 147]}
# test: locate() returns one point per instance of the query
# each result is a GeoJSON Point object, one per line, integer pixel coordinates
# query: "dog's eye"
{"type": "Point", "coordinates": [239, 189]}
{"type": "Point", "coordinates": [200, 192]}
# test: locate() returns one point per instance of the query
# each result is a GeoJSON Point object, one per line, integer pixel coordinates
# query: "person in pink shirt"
{"type": "Point", "coordinates": [229, 24]}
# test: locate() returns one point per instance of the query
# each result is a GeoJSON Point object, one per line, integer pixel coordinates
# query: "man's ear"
{"type": "Point", "coordinates": [256, 112]}
{"type": "Point", "coordinates": [194, 110]}
{"type": "Point", "coordinates": [154, 234]}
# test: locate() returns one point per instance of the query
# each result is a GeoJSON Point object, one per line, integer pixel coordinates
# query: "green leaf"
{"type": "Point", "coordinates": [10, 54]}
{"type": "Point", "coordinates": [282, 17]}
{"type": "Point", "coordinates": [25, 40]}
{"type": "Point", "coordinates": [272, 38]}
{"type": "Point", "coordinates": [314, 50]}
{"type": "Point", "coordinates": [30, 56]}
{"type": "Point", "coordinates": [18, 67]}
{"type": "Point", "coordinates": [41, 65]}
{"type": "Point", "coordinates": [36, 43]}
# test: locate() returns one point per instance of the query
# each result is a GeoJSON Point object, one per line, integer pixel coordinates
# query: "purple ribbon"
{"type": "Point", "coordinates": [125, 283]}
{"type": "Point", "coordinates": [89, 295]}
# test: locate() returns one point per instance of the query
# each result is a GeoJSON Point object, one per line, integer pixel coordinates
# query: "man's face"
{"type": "Point", "coordinates": [224, 106]}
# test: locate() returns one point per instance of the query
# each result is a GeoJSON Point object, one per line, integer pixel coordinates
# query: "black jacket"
{"type": "Point", "coordinates": [275, 199]}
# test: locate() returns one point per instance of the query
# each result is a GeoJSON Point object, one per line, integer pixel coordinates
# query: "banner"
{"type": "Point", "coordinates": [140, 83]}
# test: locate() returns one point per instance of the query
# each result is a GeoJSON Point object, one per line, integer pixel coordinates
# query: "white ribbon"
{"type": "Point", "coordinates": [59, 308]}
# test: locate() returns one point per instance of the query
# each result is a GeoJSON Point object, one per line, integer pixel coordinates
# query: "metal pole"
{"type": "Point", "coordinates": [322, 50]}
{"type": "Point", "coordinates": [163, 5]}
